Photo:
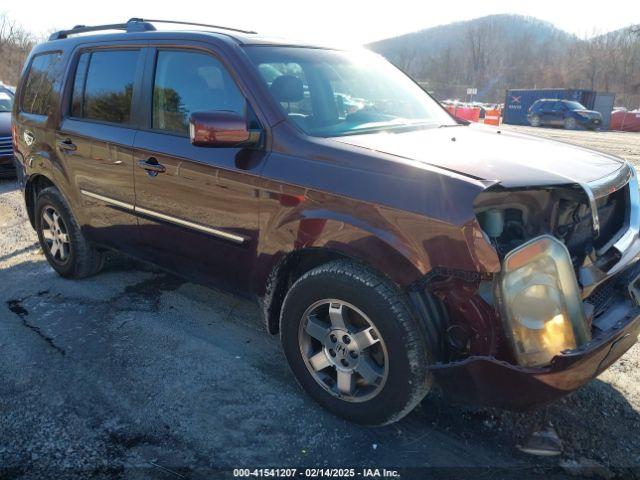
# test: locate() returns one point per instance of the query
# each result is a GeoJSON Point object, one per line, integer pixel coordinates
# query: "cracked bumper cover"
{"type": "Point", "coordinates": [493, 383]}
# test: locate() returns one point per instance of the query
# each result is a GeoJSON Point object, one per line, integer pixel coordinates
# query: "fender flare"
{"type": "Point", "coordinates": [39, 164]}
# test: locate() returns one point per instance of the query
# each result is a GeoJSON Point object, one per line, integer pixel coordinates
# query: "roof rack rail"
{"type": "Point", "coordinates": [135, 25]}
{"type": "Point", "coordinates": [176, 22]}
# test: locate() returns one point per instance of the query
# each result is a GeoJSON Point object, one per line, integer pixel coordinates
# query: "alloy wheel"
{"type": "Point", "coordinates": [343, 350]}
{"type": "Point", "coordinates": [55, 234]}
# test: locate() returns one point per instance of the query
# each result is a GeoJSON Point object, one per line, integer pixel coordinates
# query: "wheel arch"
{"type": "Point", "coordinates": [34, 185]}
{"type": "Point", "coordinates": [285, 267]}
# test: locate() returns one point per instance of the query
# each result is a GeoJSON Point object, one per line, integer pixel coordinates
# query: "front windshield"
{"type": "Point", "coordinates": [331, 93]}
{"type": "Point", "coordinates": [575, 105]}
{"type": "Point", "coordinates": [6, 101]}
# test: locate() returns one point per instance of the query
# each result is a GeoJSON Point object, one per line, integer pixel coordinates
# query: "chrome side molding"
{"type": "Point", "coordinates": [109, 200]}
{"type": "Point", "coordinates": [168, 218]}
{"type": "Point", "coordinates": [192, 225]}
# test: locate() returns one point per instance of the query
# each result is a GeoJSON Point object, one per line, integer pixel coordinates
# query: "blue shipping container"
{"type": "Point", "coordinates": [517, 102]}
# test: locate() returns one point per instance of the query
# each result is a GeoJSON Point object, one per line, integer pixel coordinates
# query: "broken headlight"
{"type": "Point", "coordinates": [540, 301]}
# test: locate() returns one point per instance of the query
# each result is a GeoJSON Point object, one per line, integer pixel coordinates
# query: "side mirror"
{"type": "Point", "coordinates": [221, 129]}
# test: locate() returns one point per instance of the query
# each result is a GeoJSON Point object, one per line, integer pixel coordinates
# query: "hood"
{"type": "Point", "coordinates": [589, 113]}
{"type": "Point", "coordinates": [5, 124]}
{"type": "Point", "coordinates": [485, 153]}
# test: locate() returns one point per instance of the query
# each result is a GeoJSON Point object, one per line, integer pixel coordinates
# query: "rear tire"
{"type": "Point", "coordinates": [371, 370]}
{"type": "Point", "coordinates": [535, 121]}
{"type": "Point", "coordinates": [570, 123]}
{"type": "Point", "coordinates": [66, 248]}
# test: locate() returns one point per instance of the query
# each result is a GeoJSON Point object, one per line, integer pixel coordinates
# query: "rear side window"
{"type": "Point", "coordinates": [103, 86]}
{"type": "Point", "coordinates": [42, 81]}
{"type": "Point", "coordinates": [78, 85]}
{"type": "Point", "coordinates": [187, 82]}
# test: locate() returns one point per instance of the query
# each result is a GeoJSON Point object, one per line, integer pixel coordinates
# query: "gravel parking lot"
{"type": "Point", "coordinates": [623, 144]}
{"type": "Point", "coordinates": [137, 374]}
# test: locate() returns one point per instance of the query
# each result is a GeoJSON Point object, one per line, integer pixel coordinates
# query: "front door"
{"type": "Point", "coordinates": [96, 138]}
{"type": "Point", "coordinates": [558, 113]}
{"type": "Point", "coordinates": [197, 206]}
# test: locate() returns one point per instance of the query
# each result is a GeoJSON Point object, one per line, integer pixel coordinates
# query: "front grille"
{"type": "Point", "coordinates": [603, 296]}
{"type": "Point", "coordinates": [6, 147]}
{"type": "Point", "coordinates": [612, 290]}
{"type": "Point", "coordinates": [612, 212]}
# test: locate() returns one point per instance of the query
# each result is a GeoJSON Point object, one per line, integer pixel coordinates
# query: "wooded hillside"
{"type": "Point", "coordinates": [498, 52]}
{"type": "Point", "coordinates": [491, 53]}
{"type": "Point", "coordinates": [15, 44]}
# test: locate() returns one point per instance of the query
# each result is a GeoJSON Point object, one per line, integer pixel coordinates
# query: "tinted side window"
{"type": "Point", "coordinates": [78, 85]}
{"type": "Point", "coordinates": [187, 82]}
{"type": "Point", "coordinates": [108, 86]}
{"type": "Point", "coordinates": [42, 81]}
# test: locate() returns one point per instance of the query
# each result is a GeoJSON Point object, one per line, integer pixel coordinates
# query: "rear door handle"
{"type": "Point", "coordinates": [67, 145]}
{"type": "Point", "coordinates": [152, 166]}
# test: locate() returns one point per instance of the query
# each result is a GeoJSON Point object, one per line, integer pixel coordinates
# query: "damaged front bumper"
{"type": "Point", "coordinates": [546, 304]}
{"type": "Point", "coordinates": [490, 382]}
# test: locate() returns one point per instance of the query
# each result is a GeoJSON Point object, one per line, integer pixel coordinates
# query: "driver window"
{"type": "Point", "coordinates": [187, 82]}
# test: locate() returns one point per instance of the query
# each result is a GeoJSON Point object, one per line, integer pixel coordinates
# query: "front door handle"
{"type": "Point", "coordinates": [152, 166]}
{"type": "Point", "coordinates": [67, 145]}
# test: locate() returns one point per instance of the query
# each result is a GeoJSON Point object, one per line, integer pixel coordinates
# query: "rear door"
{"type": "Point", "coordinates": [96, 140]}
{"type": "Point", "coordinates": [546, 112]}
{"type": "Point", "coordinates": [197, 206]}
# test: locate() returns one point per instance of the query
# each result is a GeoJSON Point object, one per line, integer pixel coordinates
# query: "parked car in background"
{"type": "Point", "coordinates": [7, 168]}
{"type": "Point", "coordinates": [389, 245]}
{"type": "Point", "coordinates": [563, 113]}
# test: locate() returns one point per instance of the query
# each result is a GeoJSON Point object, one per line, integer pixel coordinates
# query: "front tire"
{"type": "Point", "coordinates": [535, 121]}
{"type": "Point", "coordinates": [65, 247]}
{"type": "Point", "coordinates": [353, 344]}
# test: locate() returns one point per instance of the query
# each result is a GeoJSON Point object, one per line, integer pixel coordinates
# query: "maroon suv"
{"type": "Point", "coordinates": [390, 246]}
